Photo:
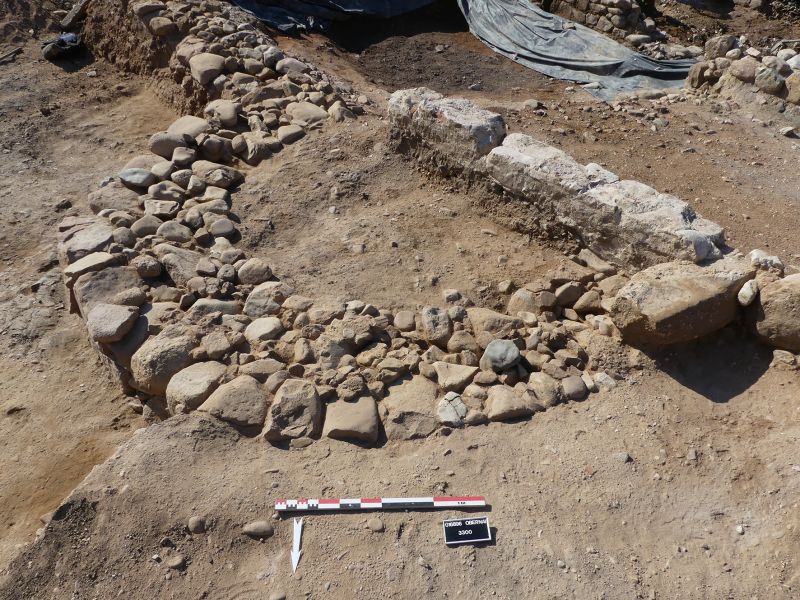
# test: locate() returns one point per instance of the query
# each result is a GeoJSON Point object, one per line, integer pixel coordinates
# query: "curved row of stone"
{"type": "Point", "coordinates": [188, 322]}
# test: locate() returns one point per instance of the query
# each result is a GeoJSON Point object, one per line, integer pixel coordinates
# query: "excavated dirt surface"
{"type": "Point", "coordinates": [707, 506]}
{"type": "Point", "coordinates": [735, 168]}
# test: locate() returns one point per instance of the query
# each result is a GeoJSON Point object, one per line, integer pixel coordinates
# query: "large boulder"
{"type": "Point", "coordinates": [114, 196]}
{"type": "Point", "coordinates": [240, 402]}
{"type": "Point", "coordinates": [453, 378]}
{"type": "Point", "coordinates": [161, 357]}
{"type": "Point", "coordinates": [778, 314]}
{"type": "Point", "coordinates": [504, 403]}
{"type": "Point", "coordinates": [179, 262]}
{"type": "Point", "coordinates": [192, 386]}
{"type": "Point", "coordinates": [455, 130]}
{"type": "Point", "coordinates": [352, 421]}
{"type": "Point", "coordinates": [110, 322]}
{"type": "Point", "coordinates": [206, 66]}
{"type": "Point", "coordinates": [486, 320]}
{"type": "Point", "coordinates": [295, 412]}
{"type": "Point", "coordinates": [436, 326]}
{"type": "Point", "coordinates": [680, 301]}
{"type": "Point", "coordinates": [216, 175]}
{"type": "Point", "coordinates": [101, 287]}
{"type": "Point", "coordinates": [81, 236]}
{"type": "Point", "coordinates": [410, 408]}
{"type": "Point", "coordinates": [499, 356]}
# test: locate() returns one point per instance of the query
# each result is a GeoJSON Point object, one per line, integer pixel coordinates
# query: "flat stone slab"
{"type": "Point", "coordinates": [680, 301]}
{"type": "Point", "coordinates": [352, 421]}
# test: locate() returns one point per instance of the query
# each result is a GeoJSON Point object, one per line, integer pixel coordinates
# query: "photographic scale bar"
{"type": "Point", "coordinates": [324, 504]}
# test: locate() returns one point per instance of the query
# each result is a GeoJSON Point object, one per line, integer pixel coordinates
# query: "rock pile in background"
{"type": "Point", "coordinates": [732, 61]}
{"type": "Point", "coordinates": [621, 19]}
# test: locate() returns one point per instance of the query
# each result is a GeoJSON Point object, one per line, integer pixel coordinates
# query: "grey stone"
{"type": "Point", "coordinates": [777, 313]}
{"type": "Point", "coordinates": [161, 357]}
{"type": "Point", "coordinates": [307, 112]}
{"type": "Point", "coordinates": [258, 530]}
{"type": "Point", "coordinates": [451, 410]}
{"type": "Point", "coordinates": [80, 236]}
{"type": "Point", "coordinates": [101, 287]}
{"type": "Point", "coordinates": [769, 81]}
{"type": "Point", "coordinates": [263, 329]}
{"type": "Point", "coordinates": [625, 222]}
{"type": "Point", "coordinates": [291, 65]}
{"type": "Point", "coordinates": [96, 261]}
{"type": "Point", "coordinates": [225, 111]}
{"type": "Point", "coordinates": [266, 298]}
{"type": "Point", "coordinates": [188, 125]}
{"type": "Point", "coordinates": [179, 262]}
{"type": "Point", "coordinates": [404, 320]}
{"type": "Point", "coordinates": [748, 293]}
{"type": "Point", "coordinates": [240, 402]}
{"type": "Point", "coordinates": [110, 323]}
{"type": "Point", "coordinates": [164, 143]}
{"type": "Point", "coordinates": [196, 524]}
{"type": "Point", "coordinates": [503, 404]}
{"type": "Point", "coordinates": [216, 175]}
{"type": "Point", "coordinates": [146, 266]}
{"type": "Point", "coordinates": [436, 326]}
{"type": "Point", "coordinates": [296, 411]}
{"type": "Point", "coordinates": [206, 66]}
{"type": "Point", "coordinates": [496, 324]}
{"type": "Point", "coordinates": [463, 131]}
{"type": "Point", "coordinates": [115, 196]}
{"type": "Point", "coordinates": [288, 134]}
{"type": "Point", "coordinates": [254, 271]}
{"type": "Point", "coordinates": [139, 178]}
{"type": "Point", "coordinates": [453, 377]}
{"type": "Point", "coordinates": [545, 388]}
{"type": "Point", "coordinates": [574, 388]}
{"type": "Point", "coordinates": [147, 225]}
{"type": "Point", "coordinates": [410, 409]}
{"type": "Point", "coordinates": [192, 386]}
{"type": "Point", "coordinates": [174, 232]}
{"type": "Point", "coordinates": [352, 421]}
{"type": "Point", "coordinates": [499, 356]}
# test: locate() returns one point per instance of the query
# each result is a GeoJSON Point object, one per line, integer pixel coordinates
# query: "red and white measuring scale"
{"type": "Point", "coordinates": [323, 504]}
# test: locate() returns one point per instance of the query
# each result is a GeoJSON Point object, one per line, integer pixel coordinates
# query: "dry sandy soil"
{"type": "Point", "coordinates": [661, 526]}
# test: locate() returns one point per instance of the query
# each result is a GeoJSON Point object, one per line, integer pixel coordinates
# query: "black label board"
{"type": "Point", "coordinates": [466, 531]}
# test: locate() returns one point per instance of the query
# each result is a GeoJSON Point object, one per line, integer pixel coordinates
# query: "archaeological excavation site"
{"type": "Point", "coordinates": [400, 298]}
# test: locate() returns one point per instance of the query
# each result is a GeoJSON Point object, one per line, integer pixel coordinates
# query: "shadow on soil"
{"type": "Point", "coordinates": [718, 368]}
{"type": "Point", "coordinates": [356, 35]}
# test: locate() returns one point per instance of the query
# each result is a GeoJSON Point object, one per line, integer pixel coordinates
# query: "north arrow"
{"type": "Point", "coordinates": [296, 552]}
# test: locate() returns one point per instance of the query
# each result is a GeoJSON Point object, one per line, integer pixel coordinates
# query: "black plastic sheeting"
{"type": "Point", "coordinates": [567, 50]}
{"type": "Point", "coordinates": [517, 29]}
{"type": "Point", "coordinates": [291, 16]}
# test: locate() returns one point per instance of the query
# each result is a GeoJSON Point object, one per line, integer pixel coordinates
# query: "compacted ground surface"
{"type": "Point", "coordinates": [681, 482]}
